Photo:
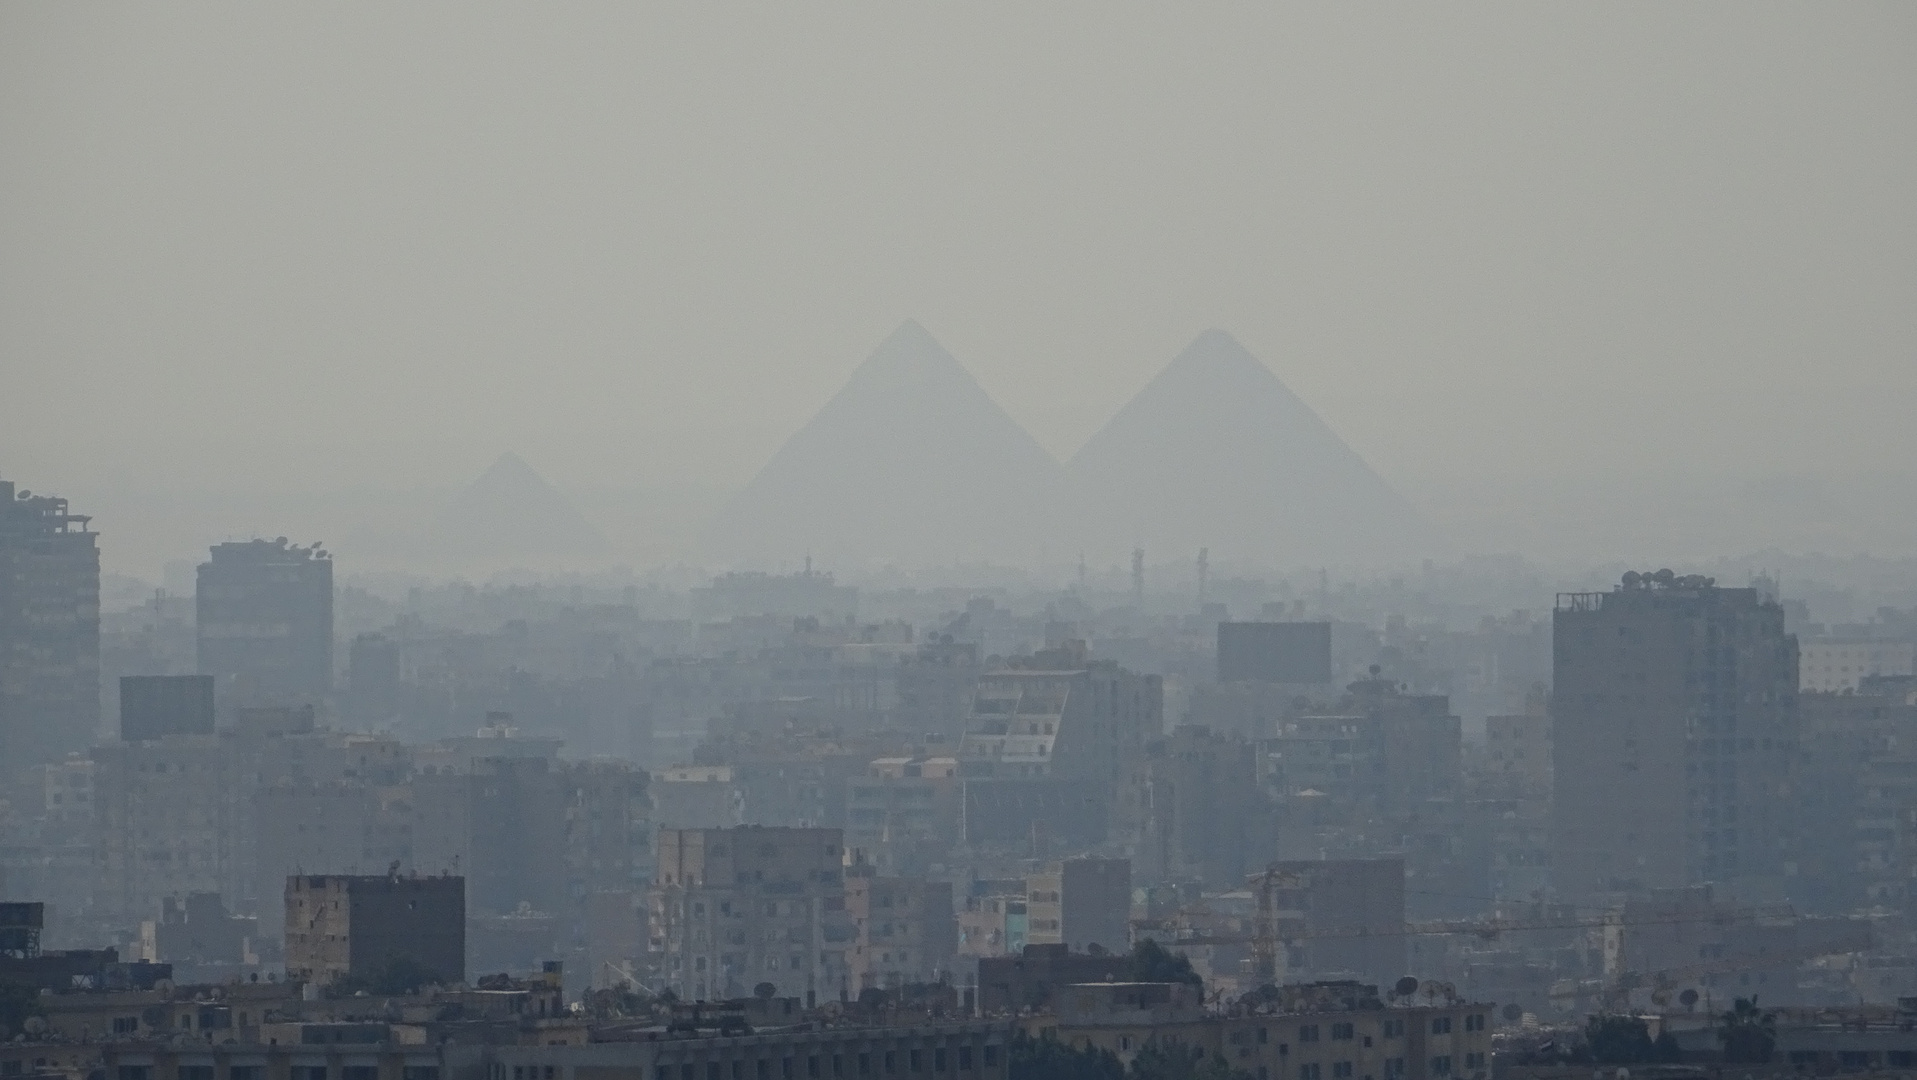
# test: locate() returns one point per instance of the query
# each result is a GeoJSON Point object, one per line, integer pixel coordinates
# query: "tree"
{"type": "Point", "coordinates": [1152, 962]}
{"type": "Point", "coordinates": [1747, 1033]}
{"type": "Point", "coordinates": [1049, 1059]}
{"type": "Point", "coordinates": [1626, 1040]}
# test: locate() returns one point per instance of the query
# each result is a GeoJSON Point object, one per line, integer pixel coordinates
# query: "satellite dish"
{"type": "Point", "coordinates": [1406, 986]}
{"type": "Point", "coordinates": [35, 1025]}
{"type": "Point", "coordinates": [1660, 997]}
{"type": "Point", "coordinates": [1513, 1012]}
{"type": "Point", "coordinates": [1688, 998]}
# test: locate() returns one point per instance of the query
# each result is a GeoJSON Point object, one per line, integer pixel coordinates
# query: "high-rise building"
{"type": "Point", "coordinates": [265, 622]}
{"type": "Point", "coordinates": [49, 634]}
{"type": "Point", "coordinates": [733, 908]}
{"type": "Point", "coordinates": [1674, 729]}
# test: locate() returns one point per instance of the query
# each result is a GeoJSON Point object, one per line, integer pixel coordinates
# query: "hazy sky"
{"type": "Point", "coordinates": [350, 244]}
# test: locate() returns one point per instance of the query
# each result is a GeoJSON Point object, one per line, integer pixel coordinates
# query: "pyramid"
{"type": "Point", "coordinates": [911, 462]}
{"type": "Point", "coordinates": [512, 517]}
{"type": "Point", "coordinates": [1216, 452]}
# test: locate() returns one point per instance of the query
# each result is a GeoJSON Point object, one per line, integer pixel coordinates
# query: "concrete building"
{"type": "Point", "coordinates": [993, 922]}
{"type": "Point", "coordinates": [168, 821]}
{"type": "Point", "coordinates": [904, 930]}
{"type": "Point", "coordinates": [902, 817]}
{"type": "Point", "coordinates": [155, 705]}
{"type": "Point", "coordinates": [1834, 665]}
{"type": "Point", "coordinates": [1204, 816]}
{"type": "Point", "coordinates": [935, 687]}
{"type": "Point", "coordinates": [49, 635]}
{"type": "Point", "coordinates": [697, 797]}
{"type": "Point", "coordinates": [1334, 919]}
{"type": "Point", "coordinates": [1517, 756]}
{"type": "Point", "coordinates": [264, 613]}
{"type": "Point", "coordinates": [733, 908]}
{"type": "Point", "coordinates": [1674, 728]}
{"type": "Point", "coordinates": [1328, 1032]}
{"type": "Point", "coordinates": [339, 925]}
{"type": "Point", "coordinates": [1081, 903]}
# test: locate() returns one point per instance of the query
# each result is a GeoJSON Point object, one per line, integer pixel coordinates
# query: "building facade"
{"type": "Point", "coordinates": [49, 635]}
{"type": "Point", "coordinates": [264, 611]}
{"type": "Point", "coordinates": [1675, 726]}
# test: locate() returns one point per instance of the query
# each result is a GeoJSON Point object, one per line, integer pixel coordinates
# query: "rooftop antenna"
{"type": "Point", "coordinates": [1138, 578]}
{"type": "Point", "coordinates": [1204, 571]}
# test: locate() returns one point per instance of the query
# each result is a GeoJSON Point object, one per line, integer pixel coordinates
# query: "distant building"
{"type": "Point", "coordinates": [904, 927]}
{"type": "Point", "coordinates": [903, 816]}
{"type": "Point", "coordinates": [1274, 652]}
{"type": "Point", "coordinates": [1032, 977]}
{"type": "Point", "coordinates": [697, 797]}
{"type": "Point", "coordinates": [1517, 752]}
{"type": "Point", "coordinates": [807, 593]}
{"type": "Point", "coordinates": [1835, 665]}
{"type": "Point", "coordinates": [1081, 903]}
{"type": "Point", "coordinates": [265, 622]}
{"type": "Point", "coordinates": [1334, 919]}
{"type": "Point", "coordinates": [1204, 816]}
{"type": "Point", "coordinates": [733, 908]}
{"type": "Point", "coordinates": [935, 687]}
{"type": "Point", "coordinates": [993, 921]}
{"type": "Point", "coordinates": [49, 634]}
{"type": "Point", "coordinates": [1674, 732]}
{"type": "Point", "coordinates": [155, 705]}
{"type": "Point", "coordinates": [339, 925]}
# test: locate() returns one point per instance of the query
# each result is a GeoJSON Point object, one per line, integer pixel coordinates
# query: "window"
{"type": "Point", "coordinates": [712, 1070]}
{"type": "Point", "coordinates": [965, 1059]}
{"type": "Point", "coordinates": [1308, 1072]}
{"type": "Point", "coordinates": [663, 1072]}
{"type": "Point", "coordinates": [136, 1072]}
{"type": "Point", "coordinates": [1394, 1066]}
{"type": "Point", "coordinates": [1341, 1070]}
{"type": "Point", "coordinates": [891, 1062]}
{"type": "Point", "coordinates": [1474, 1022]}
{"type": "Point", "coordinates": [1441, 1065]}
{"type": "Point", "coordinates": [838, 1064]}
{"type": "Point", "coordinates": [865, 1064]}
{"type": "Point", "coordinates": [351, 1072]}
{"type": "Point", "coordinates": [1474, 1061]}
{"type": "Point", "coordinates": [1393, 1029]}
{"type": "Point", "coordinates": [258, 1072]}
{"type": "Point", "coordinates": [812, 1066]}
{"type": "Point", "coordinates": [918, 1060]}
{"type": "Point", "coordinates": [1341, 1031]}
{"type": "Point", "coordinates": [1441, 1026]}
{"type": "Point", "coordinates": [196, 1072]}
{"type": "Point", "coordinates": [1308, 1033]}
{"type": "Point", "coordinates": [126, 1025]}
{"type": "Point", "coordinates": [410, 1072]}
{"type": "Point", "coordinates": [309, 1072]}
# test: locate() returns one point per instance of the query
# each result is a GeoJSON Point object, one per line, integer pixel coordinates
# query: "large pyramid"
{"type": "Point", "coordinates": [912, 462]}
{"type": "Point", "coordinates": [510, 517]}
{"type": "Point", "coordinates": [1216, 452]}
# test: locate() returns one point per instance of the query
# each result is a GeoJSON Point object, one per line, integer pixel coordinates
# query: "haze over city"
{"type": "Point", "coordinates": [1089, 542]}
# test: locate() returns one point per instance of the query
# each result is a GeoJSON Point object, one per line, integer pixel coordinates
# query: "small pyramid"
{"type": "Point", "coordinates": [1217, 452]}
{"type": "Point", "coordinates": [511, 516]}
{"type": "Point", "coordinates": [911, 462]}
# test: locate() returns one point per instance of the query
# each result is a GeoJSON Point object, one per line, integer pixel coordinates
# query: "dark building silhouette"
{"type": "Point", "coordinates": [1337, 918]}
{"type": "Point", "coordinates": [1674, 728]}
{"type": "Point", "coordinates": [152, 706]}
{"type": "Point", "coordinates": [1280, 652]}
{"type": "Point", "coordinates": [265, 622]}
{"type": "Point", "coordinates": [49, 633]}
{"type": "Point", "coordinates": [339, 925]}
